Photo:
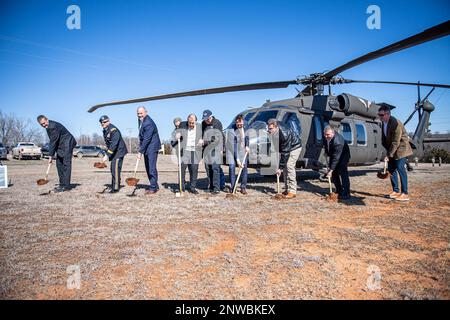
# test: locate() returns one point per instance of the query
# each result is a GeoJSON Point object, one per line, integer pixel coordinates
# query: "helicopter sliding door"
{"type": "Point", "coordinates": [346, 130]}
{"type": "Point", "coordinates": [291, 120]}
{"type": "Point", "coordinates": [312, 141]}
{"type": "Point", "coordinates": [260, 146]}
{"type": "Point", "coordinates": [375, 147]}
{"type": "Point", "coordinates": [361, 151]}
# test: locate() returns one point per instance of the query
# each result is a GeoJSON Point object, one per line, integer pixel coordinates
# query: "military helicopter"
{"type": "Point", "coordinates": [312, 109]}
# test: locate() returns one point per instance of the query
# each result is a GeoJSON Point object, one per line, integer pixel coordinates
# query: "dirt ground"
{"type": "Point", "coordinates": [210, 247]}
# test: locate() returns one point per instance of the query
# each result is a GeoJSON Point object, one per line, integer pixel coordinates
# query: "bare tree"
{"type": "Point", "coordinates": [97, 139]}
{"type": "Point", "coordinates": [84, 139]}
{"type": "Point", "coordinates": [132, 144]}
{"type": "Point", "coordinates": [6, 127]}
{"type": "Point", "coordinates": [14, 130]}
{"type": "Point", "coordinates": [33, 133]}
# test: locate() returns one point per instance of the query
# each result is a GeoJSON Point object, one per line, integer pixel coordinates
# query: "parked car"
{"type": "Point", "coordinates": [3, 152]}
{"type": "Point", "coordinates": [26, 150]}
{"type": "Point", "coordinates": [88, 151]}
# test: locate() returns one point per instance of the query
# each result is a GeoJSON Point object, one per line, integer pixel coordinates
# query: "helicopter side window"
{"type": "Point", "coordinates": [247, 117]}
{"type": "Point", "coordinates": [290, 119]}
{"type": "Point", "coordinates": [361, 136]}
{"type": "Point", "coordinates": [264, 116]}
{"type": "Point", "coordinates": [346, 131]}
{"type": "Point", "coordinates": [318, 129]}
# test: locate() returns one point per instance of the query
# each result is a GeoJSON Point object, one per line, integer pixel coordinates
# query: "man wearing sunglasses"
{"type": "Point", "coordinates": [396, 141]}
{"type": "Point", "coordinates": [117, 149]}
{"type": "Point", "coordinates": [61, 144]}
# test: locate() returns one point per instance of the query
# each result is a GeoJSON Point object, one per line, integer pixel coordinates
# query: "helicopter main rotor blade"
{"type": "Point", "coordinates": [435, 32]}
{"type": "Point", "coordinates": [410, 117]}
{"type": "Point", "coordinates": [253, 86]}
{"type": "Point", "coordinates": [436, 85]}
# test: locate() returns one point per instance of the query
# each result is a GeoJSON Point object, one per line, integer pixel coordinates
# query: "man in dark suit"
{"type": "Point", "coordinates": [149, 146]}
{"type": "Point", "coordinates": [212, 152]}
{"type": "Point", "coordinates": [337, 149]}
{"type": "Point", "coordinates": [190, 135]}
{"type": "Point", "coordinates": [117, 150]}
{"type": "Point", "coordinates": [61, 143]}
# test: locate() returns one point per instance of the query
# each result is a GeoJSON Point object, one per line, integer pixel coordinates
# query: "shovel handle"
{"type": "Point", "coordinates": [278, 184]}
{"type": "Point", "coordinates": [179, 165]}
{"type": "Point", "coordinates": [48, 171]}
{"type": "Point", "coordinates": [329, 183]}
{"type": "Point", "coordinates": [385, 166]}
{"type": "Point", "coordinates": [239, 174]}
{"type": "Point", "coordinates": [135, 168]}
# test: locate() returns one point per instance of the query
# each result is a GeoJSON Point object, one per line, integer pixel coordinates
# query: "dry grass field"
{"type": "Point", "coordinates": [210, 247]}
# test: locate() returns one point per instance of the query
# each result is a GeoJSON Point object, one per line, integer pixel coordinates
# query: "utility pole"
{"type": "Point", "coordinates": [130, 131]}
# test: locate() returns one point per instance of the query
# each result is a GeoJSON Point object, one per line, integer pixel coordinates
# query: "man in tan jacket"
{"type": "Point", "coordinates": [396, 141]}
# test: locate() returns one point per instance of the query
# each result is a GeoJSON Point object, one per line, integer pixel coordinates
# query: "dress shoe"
{"type": "Point", "coordinates": [113, 191]}
{"type": "Point", "coordinates": [394, 195]}
{"type": "Point", "coordinates": [284, 193]}
{"type": "Point", "coordinates": [243, 191]}
{"type": "Point", "coordinates": [193, 191]}
{"type": "Point", "coordinates": [402, 197]}
{"type": "Point", "coordinates": [151, 192]}
{"type": "Point", "coordinates": [215, 192]}
{"type": "Point", "coordinates": [61, 189]}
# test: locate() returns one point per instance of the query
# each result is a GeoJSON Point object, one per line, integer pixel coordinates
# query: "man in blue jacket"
{"type": "Point", "coordinates": [337, 149]}
{"type": "Point", "coordinates": [149, 146]}
{"type": "Point", "coordinates": [117, 150]}
{"type": "Point", "coordinates": [61, 144]}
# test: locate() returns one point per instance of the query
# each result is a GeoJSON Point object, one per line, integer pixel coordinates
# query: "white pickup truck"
{"type": "Point", "coordinates": [26, 150]}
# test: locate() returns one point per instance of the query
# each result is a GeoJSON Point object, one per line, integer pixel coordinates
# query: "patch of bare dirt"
{"type": "Point", "coordinates": [211, 247]}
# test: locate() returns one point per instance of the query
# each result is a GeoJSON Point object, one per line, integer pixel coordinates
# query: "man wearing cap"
{"type": "Point", "coordinates": [396, 141]}
{"type": "Point", "coordinates": [149, 145]}
{"type": "Point", "coordinates": [61, 144]}
{"type": "Point", "coordinates": [117, 150]}
{"type": "Point", "coordinates": [213, 148]}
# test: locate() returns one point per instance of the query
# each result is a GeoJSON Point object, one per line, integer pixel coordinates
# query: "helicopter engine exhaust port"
{"type": "Point", "coordinates": [354, 105]}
